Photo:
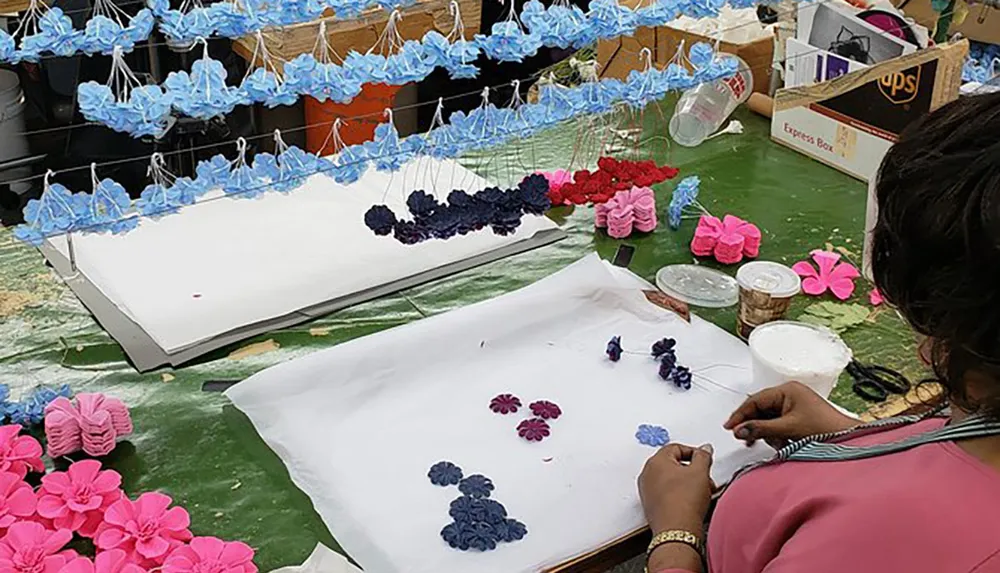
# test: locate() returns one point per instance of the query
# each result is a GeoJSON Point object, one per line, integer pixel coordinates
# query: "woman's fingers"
{"type": "Point", "coordinates": [764, 404]}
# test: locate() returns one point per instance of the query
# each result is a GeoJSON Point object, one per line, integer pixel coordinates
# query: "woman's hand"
{"type": "Point", "coordinates": [675, 488]}
{"type": "Point", "coordinates": [787, 412]}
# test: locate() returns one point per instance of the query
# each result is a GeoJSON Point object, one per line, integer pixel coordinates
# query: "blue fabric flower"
{"type": "Point", "coordinates": [109, 208]}
{"type": "Point", "coordinates": [380, 219]}
{"type": "Point", "coordinates": [480, 536]}
{"type": "Point", "coordinates": [31, 409]}
{"type": "Point", "coordinates": [507, 42]}
{"type": "Point", "coordinates": [510, 530]}
{"type": "Point", "coordinates": [409, 233]}
{"type": "Point", "coordinates": [681, 377]}
{"type": "Point", "coordinates": [8, 48]}
{"type": "Point", "coordinates": [445, 474]}
{"type": "Point", "coordinates": [467, 509]}
{"type": "Point", "coordinates": [659, 13]}
{"type": "Point", "coordinates": [385, 150]}
{"type": "Point", "coordinates": [203, 94]}
{"type": "Point", "coordinates": [264, 86]}
{"type": "Point", "coordinates": [421, 204]}
{"type": "Point", "coordinates": [350, 164]}
{"type": "Point", "coordinates": [244, 183]}
{"type": "Point", "coordinates": [684, 195]}
{"type": "Point", "coordinates": [610, 20]}
{"type": "Point", "coordinates": [452, 535]}
{"type": "Point", "coordinates": [435, 49]}
{"type": "Point", "coordinates": [57, 33]}
{"type": "Point", "coordinates": [56, 211]}
{"type": "Point", "coordinates": [614, 349]}
{"type": "Point", "coordinates": [214, 172]}
{"type": "Point", "coordinates": [655, 436]}
{"type": "Point", "coordinates": [476, 485]}
{"type": "Point", "coordinates": [701, 8]}
{"type": "Point", "coordinates": [408, 65]}
{"type": "Point", "coordinates": [534, 194]}
{"type": "Point", "coordinates": [296, 166]}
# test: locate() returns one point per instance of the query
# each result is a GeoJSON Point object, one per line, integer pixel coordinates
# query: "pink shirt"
{"type": "Point", "coordinates": [931, 509]}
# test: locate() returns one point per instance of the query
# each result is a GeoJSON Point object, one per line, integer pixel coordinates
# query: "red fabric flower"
{"type": "Point", "coordinates": [545, 410]}
{"type": "Point", "coordinates": [505, 404]}
{"type": "Point", "coordinates": [533, 429]}
{"type": "Point", "coordinates": [612, 175]}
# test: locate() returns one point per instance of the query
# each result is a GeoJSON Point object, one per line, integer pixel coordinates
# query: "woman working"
{"type": "Point", "coordinates": [908, 496]}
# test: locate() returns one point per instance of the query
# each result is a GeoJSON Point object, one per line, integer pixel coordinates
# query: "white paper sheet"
{"type": "Point", "coordinates": [223, 264]}
{"type": "Point", "coordinates": [358, 425]}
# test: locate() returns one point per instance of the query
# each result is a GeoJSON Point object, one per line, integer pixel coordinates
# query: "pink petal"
{"type": "Point", "coordinates": [8, 432]}
{"type": "Point", "coordinates": [842, 288]}
{"type": "Point", "coordinates": [22, 502]}
{"type": "Point", "coordinates": [84, 472]}
{"type": "Point", "coordinates": [56, 482]}
{"type": "Point", "coordinates": [152, 504]}
{"type": "Point", "coordinates": [813, 286]}
{"type": "Point", "coordinates": [120, 512]}
{"type": "Point", "coordinates": [731, 223]}
{"type": "Point", "coordinates": [10, 482]}
{"type": "Point", "coordinates": [175, 519]}
{"type": "Point", "coordinates": [51, 507]}
{"type": "Point", "coordinates": [236, 553]}
{"type": "Point", "coordinates": [710, 224]}
{"type": "Point", "coordinates": [152, 548]}
{"type": "Point", "coordinates": [110, 561]}
{"type": "Point", "coordinates": [93, 503]}
{"type": "Point", "coordinates": [54, 563]}
{"type": "Point", "coordinates": [804, 269]}
{"type": "Point", "coordinates": [825, 260]}
{"type": "Point", "coordinates": [79, 565]}
{"type": "Point", "coordinates": [24, 533]}
{"type": "Point", "coordinates": [875, 297]}
{"type": "Point", "coordinates": [57, 540]}
{"type": "Point", "coordinates": [107, 481]}
{"type": "Point", "coordinates": [110, 538]}
{"type": "Point", "coordinates": [208, 548]}
{"type": "Point", "coordinates": [844, 271]}
{"type": "Point", "coordinates": [7, 520]}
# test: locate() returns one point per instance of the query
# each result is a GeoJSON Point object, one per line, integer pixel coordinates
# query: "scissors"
{"type": "Point", "coordinates": [875, 383]}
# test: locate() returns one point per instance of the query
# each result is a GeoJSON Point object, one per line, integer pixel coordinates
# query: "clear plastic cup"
{"type": "Point", "coordinates": [786, 351]}
{"type": "Point", "coordinates": [702, 109]}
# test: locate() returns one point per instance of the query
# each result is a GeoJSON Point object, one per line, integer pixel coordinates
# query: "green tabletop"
{"type": "Point", "coordinates": [195, 446]}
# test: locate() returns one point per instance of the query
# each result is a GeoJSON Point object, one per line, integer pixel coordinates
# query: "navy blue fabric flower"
{"type": "Point", "coordinates": [476, 485]}
{"type": "Point", "coordinates": [493, 511]}
{"type": "Point", "coordinates": [533, 193]}
{"type": "Point", "coordinates": [460, 199]}
{"type": "Point", "coordinates": [668, 362]}
{"type": "Point", "coordinates": [655, 436]}
{"type": "Point", "coordinates": [510, 530]}
{"type": "Point", "coordinates": [445, 474]}
{"type": "Point", "coordinates": [467, 509]}
{"type": "Point", "coordinates": [409, 233]}
{"type": "Point", "coordinates": [380, 219]}
{"type": "Point", "coordinates": [505, 221]}
{"type": "Point", "coordinates": [663, 346]}
{"type": "Point", "coordinates": [614, 349]}
{"type": "Point", "coordinates": [681, 378]}
{"type": "Point", "coordinates": [444, 223]}
{"type": "Point", "coordinates": [452, 535]}
{"type": "Point", "coordinates": [421, 204]}
{"type": "Point", "coordinates": [481, 536]}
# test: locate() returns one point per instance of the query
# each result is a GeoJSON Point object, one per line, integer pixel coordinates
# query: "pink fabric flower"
{"type": "Point", "coordinates": [875, 297]}
{"type": "Point", "coordinates": [557, 179]}
{"type": "Point", "coordinates": [627, 210]}
{"type": "Point", "coordinates": [828, 274]}
{"type": "Point", "coordinates": [30, 548]}
{"type": "Point", "coordinates": [114, 561]}
{"type": "Point", "coordinates": [209, 554]}
{"type": "Point", "coordinates": [144, 529]}
{"type": "Point", "coordinates": [17, 500]}
{"type": "Point", "coordinates": [505, 404]}
{"type": "Point", "coordinates": [728, 240]}
{"type": "Point", "coordinates": [77, 499]}
{"type": "Point", "coordinates": [18, 454]}
{"type": "Point", "coordinates": [545, 410]}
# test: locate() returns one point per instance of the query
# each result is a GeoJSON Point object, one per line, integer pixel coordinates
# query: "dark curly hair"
{"type": "Point", "coordinates": [936, 243]}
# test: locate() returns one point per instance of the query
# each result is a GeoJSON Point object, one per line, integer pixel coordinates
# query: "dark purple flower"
{"type": "Point", "coordinates": [421, 204]}
{"type": "Point", "coordinates": [467, 509]}
{"type": "Point", "coordinates": [445, 474]}
{"type": "Point", "coordinates": [476, 485]}
{"type": "Point", "coordinates": [380, 219]}
{"type": "Point", "coordinates": [614, 349]}
{"type": "Point", "coordinates": [533, 191]}
{"type": "Point", "coordinates": [510, 530]}
{"type": "Point", "coordinates": [533, 429]}
{"type": "Point", "coordinates": [492, 196]}
{"type": "Point", "coordinates": [452, 535]}
{"type": "Point", "coordinates": [506, 221]}
{"type": "Point", "coordinates": [460, 199]}
{"type": "Point", "coordinates": [505, 404]}
{"type": "Point", "coordinates": [663, 346]}
{"type": "Point", "coordinates": [481, 536]}
{"type": "Point", "coordinates": [444, 223]}
{"type": "Point", "coordinates": [494, 512]}
{"type": "Point", "coordinates": [667, 364]}
{"type": "Point", "coordinates": [682, 378]}
{"type": "Point", "coordinates": [409, 233]}
{"type": "Point", "coordinates": [545, 410]}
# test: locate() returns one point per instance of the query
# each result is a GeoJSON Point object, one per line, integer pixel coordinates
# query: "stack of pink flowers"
{"type": "Point", "coordinates": [93, 424]}
{"type": "Point", "coordinates": [728, 240]}
{"type": "Point", "coordinates": [130, 536]}
{"type": "Point", "coordinates": [627, 211]}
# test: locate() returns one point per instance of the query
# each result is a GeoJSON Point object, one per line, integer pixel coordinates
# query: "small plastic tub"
{"type": "Point", "coordinates": [785, 351]}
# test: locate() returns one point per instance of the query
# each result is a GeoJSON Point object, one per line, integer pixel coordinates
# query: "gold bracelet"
{"type": "Point", "coordinates": [676, 536]}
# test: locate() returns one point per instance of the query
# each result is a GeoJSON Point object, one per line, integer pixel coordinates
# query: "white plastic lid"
{"type": "Point", "coordinates": [768, 277]}
{"type": "Point", "coordinates": [698, 285]}
{"type": "Point", "coordinates": [798, 348]}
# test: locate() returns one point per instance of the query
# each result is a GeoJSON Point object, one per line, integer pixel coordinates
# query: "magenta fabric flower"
{"type": "Point", "coordinates": [728, 240]}
{"type": "Point", "coordinates": [828, 274]}
{"type": "Point", "coordinates": [505, 404]}
{"type": "Point", "coordinates": [557, 179]}
{"type": "Point", "coordinates": [29, 547]}
{"type": "Point", "coordinates": [209, 554]}
{"type": "Point", "coordinates": [144, 529]}
{"type": "Point", "coordinates": [77, 498]}
{"type": "Point", "coordinates": [19, 454]}
{"type": "Point", "coordinates": [113, 561]}
{"type": "Point", "coordinates": [875, 297]}
{"type": "Point", "coordinates": [545, 410]}
{"type": "Point", "coordinates": [533, 429]}
{"type": "Point", "coordinates": [17, 500]}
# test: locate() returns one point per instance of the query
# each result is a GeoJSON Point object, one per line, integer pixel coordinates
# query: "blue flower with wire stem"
{"type": "Point", "coordinates": [507, 42]}
{"type": "Point", "coordinates": [685, 195]}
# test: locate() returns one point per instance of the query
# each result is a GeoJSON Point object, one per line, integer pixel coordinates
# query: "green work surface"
{"type": "Point", "coordinates": [196, 447]}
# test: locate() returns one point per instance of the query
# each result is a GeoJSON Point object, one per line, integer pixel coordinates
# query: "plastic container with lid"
{"type": "Point", "coordinates": [785, 351]}
{"type": "Point", "coordinates": [698, 285]}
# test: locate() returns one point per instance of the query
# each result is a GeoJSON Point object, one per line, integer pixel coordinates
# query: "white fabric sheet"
{"type": "Point", "coordinates": [223, 264]}
{"type": "Point", "coordinates": [358, 425]}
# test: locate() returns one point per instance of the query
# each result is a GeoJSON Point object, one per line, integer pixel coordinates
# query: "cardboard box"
{"type": "Point", "coordinates": [620, 56]}
{"type": "Point", "coordinates": [850, 122]}
{"type": "Point", "coordinates": [982, 23]}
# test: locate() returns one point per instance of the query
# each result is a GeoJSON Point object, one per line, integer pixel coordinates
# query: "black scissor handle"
{"type": "Point", "coordinates": [869, 389]}
{"type": "Point", "coordinates": [890, 379]}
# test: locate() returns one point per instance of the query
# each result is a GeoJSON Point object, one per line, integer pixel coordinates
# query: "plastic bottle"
{"type": "Point", "coordinates": [702, 109]}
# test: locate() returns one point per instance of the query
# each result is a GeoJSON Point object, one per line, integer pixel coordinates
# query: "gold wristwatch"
{"type": "Point", "coordinates": [676, 536]}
